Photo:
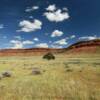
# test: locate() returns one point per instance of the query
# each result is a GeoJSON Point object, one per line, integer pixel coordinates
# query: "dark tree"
{"type": "Point", "coordinates": [49, 56]}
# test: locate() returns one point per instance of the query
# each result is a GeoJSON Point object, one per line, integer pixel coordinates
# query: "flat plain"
{"type": "Point", "coordinates": [68, 77]}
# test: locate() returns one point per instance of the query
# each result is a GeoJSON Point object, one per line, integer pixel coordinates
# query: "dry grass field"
{"type": "Point", "coordinates": [65, 78]}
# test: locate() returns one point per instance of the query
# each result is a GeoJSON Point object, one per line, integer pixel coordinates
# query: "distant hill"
{"type": "Point", "coordinates": [91, 46]}
{"type": "Point", "coordinates": [27, 52]}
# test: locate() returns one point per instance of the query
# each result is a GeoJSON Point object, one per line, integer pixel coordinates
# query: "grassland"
{"type": "Point", "coordinates": [65, 78]}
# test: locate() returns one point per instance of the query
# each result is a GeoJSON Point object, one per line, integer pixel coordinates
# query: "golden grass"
{"type": "Point", "coordinates": [66, 78]}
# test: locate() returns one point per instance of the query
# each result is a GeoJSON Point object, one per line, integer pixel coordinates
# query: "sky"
{"type": "Point", "coordinates": [48, 23]}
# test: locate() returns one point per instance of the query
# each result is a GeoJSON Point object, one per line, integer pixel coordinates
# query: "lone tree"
{"type": "Point", "coordinates": [49, 56]}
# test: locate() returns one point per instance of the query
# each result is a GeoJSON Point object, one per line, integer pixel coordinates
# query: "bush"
{"type": "Point", "coordinates": [6, 74]}
{"type": "Point", "coordinates": [1, 76]}
{"type": "Point", "coordinates": [49, 56]}
{"type": "Point", "coordinates": [36, 71]}
{"type": "Point", "coordinates": [69, 70]}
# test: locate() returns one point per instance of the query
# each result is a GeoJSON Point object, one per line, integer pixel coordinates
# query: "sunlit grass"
{"type": "Point", "coordinates": [65, 78]}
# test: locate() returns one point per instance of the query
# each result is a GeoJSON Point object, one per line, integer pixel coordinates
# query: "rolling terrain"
{"type": "Point", "coordinates": [27, 52]}
{"type": "Point", "coordinates": [92, 46]}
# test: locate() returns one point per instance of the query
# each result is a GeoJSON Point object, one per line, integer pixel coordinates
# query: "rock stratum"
{"type": "Point", "coordinates": [91, 46]}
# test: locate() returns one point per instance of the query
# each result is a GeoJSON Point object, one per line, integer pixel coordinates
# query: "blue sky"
{"type": "Point", "coordinates": [48, 23]}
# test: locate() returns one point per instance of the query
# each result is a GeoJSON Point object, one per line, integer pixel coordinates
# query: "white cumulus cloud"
{"type": "Point", "coordinates": [88, 38]}
{"type": "Point", "coordinates": [56, 33]}
{"type": "Point", "coordinates": [66, 9]}
{"type": "Point", "coordinates": [1, 26]}
{"type": "Point", "coordinates": [28, 26]}
{"type": "Point", "coordinates": [29, 9]}
{"type": "Point", "coordinates": [42, 45]}
{"type": "Point", "coordinates": [36, 39]}
{"type": "Point", "coordinates": [17, 44]}
{"type": "Point", "coordinates": [57, 46]}
{"type": "Point", "coordinates": [51, 7]}
{"type": "Point", "coordinates": [61, 42]}
{"type": "Point", "coordinates": [18, 37]}
{"type": "Point", "coordinates": [27, 42]}
{"type": "Point", "coordinates": [72, 36]}
{"type": "Point", "coordinates": [56, 15]}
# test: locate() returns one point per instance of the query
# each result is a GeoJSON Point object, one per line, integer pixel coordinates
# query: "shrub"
{"type": "Point", "coordinates": [49, 56]}
{"type": "Point", "coordinates": [1, 76]}
{"type": "Point", "coordinates": [36, 71]}
{"type": "Point", "coordinates": [66, 65]}
{"type": "Point", "coordinates": [6, 74]}
{"type": "Point", "coordinates": [69, 70]}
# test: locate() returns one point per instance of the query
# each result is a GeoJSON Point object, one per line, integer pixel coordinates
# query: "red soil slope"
{"type": "Point", "coordinates": [27, 52]}
{"type": "Point", "coordinates": [91, 46]}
